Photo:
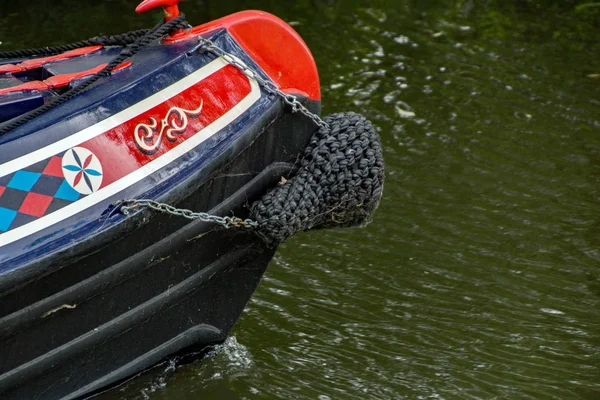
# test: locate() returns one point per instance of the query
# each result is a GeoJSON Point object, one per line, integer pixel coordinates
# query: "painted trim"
{"type": "Point", "coordinates": [112, 122]}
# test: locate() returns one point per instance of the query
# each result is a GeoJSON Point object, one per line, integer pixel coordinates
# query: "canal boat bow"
{"type": "Point", "coordinates": [146, 180]}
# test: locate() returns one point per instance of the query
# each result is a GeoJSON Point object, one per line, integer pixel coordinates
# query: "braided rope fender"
{"type": "Point", "coordinates": [339, 183]}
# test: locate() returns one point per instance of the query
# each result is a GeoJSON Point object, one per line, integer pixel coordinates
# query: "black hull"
{"type": "Point", "coordinates": [74, 325]}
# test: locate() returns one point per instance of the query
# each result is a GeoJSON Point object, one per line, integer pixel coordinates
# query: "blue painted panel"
{"type": "Point", "coordinates": [66, 192]}
{"type": "Point", "coordinates": [6, 218]}
{"type": "Point", "coordinates": [23, 180]}
{"type": "Point", "coordinates": [16, 104]}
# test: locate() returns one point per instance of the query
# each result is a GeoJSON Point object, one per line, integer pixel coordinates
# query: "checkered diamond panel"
{"type": "Point", "coordinates": [33, 192]}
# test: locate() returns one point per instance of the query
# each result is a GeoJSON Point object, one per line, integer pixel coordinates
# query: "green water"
{"type": "Point", "coordinates": [480, 275]}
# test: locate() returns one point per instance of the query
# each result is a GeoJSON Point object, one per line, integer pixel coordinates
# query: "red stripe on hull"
{"type": "Point", "coordinates": [217, 94]}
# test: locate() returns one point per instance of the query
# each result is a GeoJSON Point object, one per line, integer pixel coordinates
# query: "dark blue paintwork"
{"type": "Point", "coordinates": [153, 69]}
{"type": "Point", "coordinates": [14, 104]}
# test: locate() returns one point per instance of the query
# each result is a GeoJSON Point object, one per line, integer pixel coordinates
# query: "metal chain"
{"type": "Point", "coordinates": [267, 85]}
{"type": "Point", "coordinates": [126, 206]}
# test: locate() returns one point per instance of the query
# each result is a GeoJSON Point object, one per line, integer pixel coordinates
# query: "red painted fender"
{"type": "Point", "coordinates": [273, 44]}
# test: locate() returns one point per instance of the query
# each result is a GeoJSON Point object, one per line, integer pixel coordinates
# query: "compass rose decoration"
{"type": "Point", "coordinates": [82, 170]}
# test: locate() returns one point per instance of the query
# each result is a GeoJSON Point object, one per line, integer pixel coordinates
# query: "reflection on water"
{"type": "Point", "coordinates": [479, 277]}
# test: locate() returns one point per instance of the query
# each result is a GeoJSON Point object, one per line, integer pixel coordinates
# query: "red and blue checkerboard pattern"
{"type": "Point", "coordinates": [33, 192]}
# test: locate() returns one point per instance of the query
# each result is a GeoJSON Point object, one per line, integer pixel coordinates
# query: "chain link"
{"type": "Point", "coordinates": [126, 206]}
{"type": "Point", "coordinates": [267, 85]}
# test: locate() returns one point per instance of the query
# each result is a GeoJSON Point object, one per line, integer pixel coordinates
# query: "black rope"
{"type": "Point", "coordinates": [151, 35]}
{"type": "Point", "coordinates": [339, 183]}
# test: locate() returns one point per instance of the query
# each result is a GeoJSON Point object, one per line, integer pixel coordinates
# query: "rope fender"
{"type": "Point", "coordinates": [339, 183]}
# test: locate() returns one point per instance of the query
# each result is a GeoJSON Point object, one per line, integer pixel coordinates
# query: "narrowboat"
{"type": "Point", "coordinates": [146, 180]}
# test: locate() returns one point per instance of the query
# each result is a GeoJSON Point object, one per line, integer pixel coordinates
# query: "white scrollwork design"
{"type": "Point", "coordinates": [148, 136]}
